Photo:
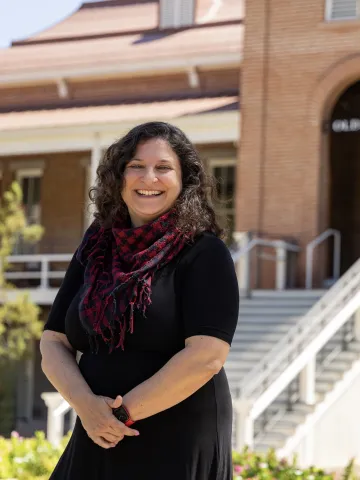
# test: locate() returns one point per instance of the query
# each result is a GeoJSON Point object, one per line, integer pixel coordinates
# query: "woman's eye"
{"type": "Point", "coordinates": [164, 167]}
{"type": "Point", "coordinates": [134, 165]}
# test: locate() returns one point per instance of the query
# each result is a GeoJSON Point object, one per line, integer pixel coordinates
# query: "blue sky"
{"type": "Point", "coordinates": [21, 18]}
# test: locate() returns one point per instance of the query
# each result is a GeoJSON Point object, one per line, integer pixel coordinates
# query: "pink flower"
{"type": "Point", "coordinates": [14, 434]}
{"type": "Point", "coordinates": [238, 468]}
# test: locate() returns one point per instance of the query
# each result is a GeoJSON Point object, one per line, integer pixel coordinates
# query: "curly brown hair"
{"type": "Point", "coordinates": [194, 207]}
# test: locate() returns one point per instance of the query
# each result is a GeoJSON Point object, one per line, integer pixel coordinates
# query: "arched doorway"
{"type": "Point", "coordinates": [344, 198]}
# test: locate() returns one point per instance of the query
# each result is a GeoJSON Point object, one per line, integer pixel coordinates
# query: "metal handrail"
{"type": "Point", "coordinates": [310, 254]}
{"type": "Point", "coordinates": [280, 258]}
{"type": "Point", "coordinates": [301, 334]}
{"type": "Point", "coordinates": [264, 243]}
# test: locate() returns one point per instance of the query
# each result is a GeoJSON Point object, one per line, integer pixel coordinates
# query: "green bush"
{"type": "Point", "coordinates": [268, 467]}
{"type": "Point", "coordinates": [28, 458]}
{"type": "Point", "coordinates": [35, 458]}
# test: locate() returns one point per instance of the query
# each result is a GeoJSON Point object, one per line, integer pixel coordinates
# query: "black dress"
{"type": "Point", "coordinates": [195, 294]}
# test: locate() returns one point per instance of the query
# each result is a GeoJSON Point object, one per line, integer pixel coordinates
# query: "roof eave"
{"type": "Point", "coordinates": [147, 67]}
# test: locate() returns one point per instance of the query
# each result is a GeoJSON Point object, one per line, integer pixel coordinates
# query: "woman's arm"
{"type": "Point", "coordinates": [186, 372]}
{"type": "Point", "coordinates": [208, 295]}
{"type": "Point", "coordinates": [60, 367]}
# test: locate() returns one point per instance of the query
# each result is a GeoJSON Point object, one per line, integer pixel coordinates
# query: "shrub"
{"type": "Point", "coordinates": [268, 467]}
{"type": "Point", "coordinates": [28, 458]}
{"type": "Point", "coordinates": [35, 458]}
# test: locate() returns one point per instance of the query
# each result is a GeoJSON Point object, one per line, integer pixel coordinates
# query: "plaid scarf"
{"type": "Point", "coordinates": [120, 264]}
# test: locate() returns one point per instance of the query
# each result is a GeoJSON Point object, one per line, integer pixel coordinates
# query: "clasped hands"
{"type": "Point", "coordinates": [100, 423]}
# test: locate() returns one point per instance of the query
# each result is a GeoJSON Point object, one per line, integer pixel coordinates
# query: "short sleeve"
{"type": "Point", "coordinates": [209, 290]}
{"type": "Point", "coordinates": [70, 286]}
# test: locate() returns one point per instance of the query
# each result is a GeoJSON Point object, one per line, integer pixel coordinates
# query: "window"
{"type": "Point", "coordinates": [30, 182]}
{"type": "Point", "coordinates": [176, 13]}
{"type": "Point", "coordinates": [342, 9]}
{"type": "Point", "coordinates": [224, 172]}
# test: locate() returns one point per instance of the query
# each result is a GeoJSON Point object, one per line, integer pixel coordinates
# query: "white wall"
{"type": "Point", "coordinates": [335, 438]}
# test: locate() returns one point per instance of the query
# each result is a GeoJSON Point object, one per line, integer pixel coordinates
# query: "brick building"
{"type": "Point", "coordinates": [68, 92]}
{"type": "Point", "coordinates": [298, 172]}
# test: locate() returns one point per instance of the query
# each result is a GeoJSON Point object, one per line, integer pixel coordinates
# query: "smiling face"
{"type": "Point", "coordinates": [152, 181]}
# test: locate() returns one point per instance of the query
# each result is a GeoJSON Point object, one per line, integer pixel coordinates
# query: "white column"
{"type": "Point", "coordinates": [44, 273]}
{"type": "Point", "coordinates": [244, 425]}
{"type": "Point", "coordinates": [280, 266]}
{"type": "Point", "coordinates": [307, 383]}
{"type": "Point", "coordinates": [357, 324]}
{"type": "Point", "coordinates": [243, 264]}
{"type": "Point", "coordinates": [95, 158]}
{"type": "Point", "coordinates": [96, 153]}
{"type": "Point", "coordinates": [57, 408]}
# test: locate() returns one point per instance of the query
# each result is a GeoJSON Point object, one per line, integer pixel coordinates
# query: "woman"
{"type": "Point", "coordinates": [151, 299]}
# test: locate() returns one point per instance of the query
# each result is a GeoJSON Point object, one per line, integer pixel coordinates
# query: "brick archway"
{"type": "Point", "coordinates": [330, 86]}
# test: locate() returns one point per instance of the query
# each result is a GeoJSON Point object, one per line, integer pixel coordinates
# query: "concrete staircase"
{"type": "Point", "coordinates": [263, 320]}
{"type": "Point", "coordinates": [280, 420]}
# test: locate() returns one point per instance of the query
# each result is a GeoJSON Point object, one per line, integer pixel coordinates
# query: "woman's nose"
{"type": "Point", "coordinates": [150, 175]}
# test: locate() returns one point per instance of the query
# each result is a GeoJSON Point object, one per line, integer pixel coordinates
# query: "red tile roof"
{"type": "Point", "coordinates": [120, 52]}
{"type": "Point", "coordinates": [121, 16]}
{"type": "Point", "coordinates": [88, 116]}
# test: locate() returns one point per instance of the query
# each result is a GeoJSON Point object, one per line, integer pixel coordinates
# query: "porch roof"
{"type": "Point", "coordinates": [114, 114]}
{"type": "Point", "coordinates": [205, 120]}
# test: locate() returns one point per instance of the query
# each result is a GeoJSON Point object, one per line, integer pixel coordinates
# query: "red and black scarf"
{"type": "Point", "coordinates": [120, 263]}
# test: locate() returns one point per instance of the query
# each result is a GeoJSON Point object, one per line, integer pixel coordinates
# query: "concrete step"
{"type": "Point", "coordinates": [278, 301]}
{"type": "Point", "coordinates": [293, 293]}
{"type": "Point", "coordinates": [339, 366]}
{"type": "Point", "coordinates": [247, 356]}
{"type": "Point", "coordinates": [260, 344]}
{"type": "Point", "coordinates": [285, 429]}
{"type": "Point", "coordinates": [324, 387]}
{"type": "Point", "coordinates": [240, 364]}
{"type": "Point", "coordinates": [268, 319]}
{"type": "Point", "coordinates": [348, 355]}
{"type": "Point", "coordinates": [261, 328]}
{"type": "Point", "coordinates": [298, 408]}
{"type": "Point", "coordinates": [328, 377]}
{"type": "Point", "coordinates": [250, 337]}
{"type": "Point", "coordinates": [252, 310]}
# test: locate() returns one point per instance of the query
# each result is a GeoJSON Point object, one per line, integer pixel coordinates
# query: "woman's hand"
{"type": "Point", "coordinates": [100, 423]}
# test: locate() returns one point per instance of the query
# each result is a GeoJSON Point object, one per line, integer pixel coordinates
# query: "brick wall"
{"type": "Point", "coordinates": [295, 66]}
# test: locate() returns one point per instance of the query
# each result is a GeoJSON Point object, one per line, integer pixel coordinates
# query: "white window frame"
{"type": "Point", "coordinates": [34, 172]}
{"type": "Point", "coordinates": [329, 11]}
{"type": "Point", "coordinates": [226, 162]}
{"type": "Point", "coordinates": [29, 172]}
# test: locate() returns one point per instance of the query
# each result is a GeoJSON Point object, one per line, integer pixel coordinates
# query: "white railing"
{"type": "Point", "coordinates": [37, 267]}
{"type": "Point", "coordinates": [295, 354]}
{"type": "Point", "coordinates": [57, 409]}
{"type": "Point", "coordinates": [310, 255]}
{"type": "Point", "coordinates": [242, 259]}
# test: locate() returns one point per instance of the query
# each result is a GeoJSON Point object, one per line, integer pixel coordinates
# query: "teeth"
{"type": "Point", "coordinates": [149, 192]}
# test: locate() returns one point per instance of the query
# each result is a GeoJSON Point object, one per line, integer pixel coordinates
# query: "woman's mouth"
{"type": "Point", "coordinates": [149, 193]}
